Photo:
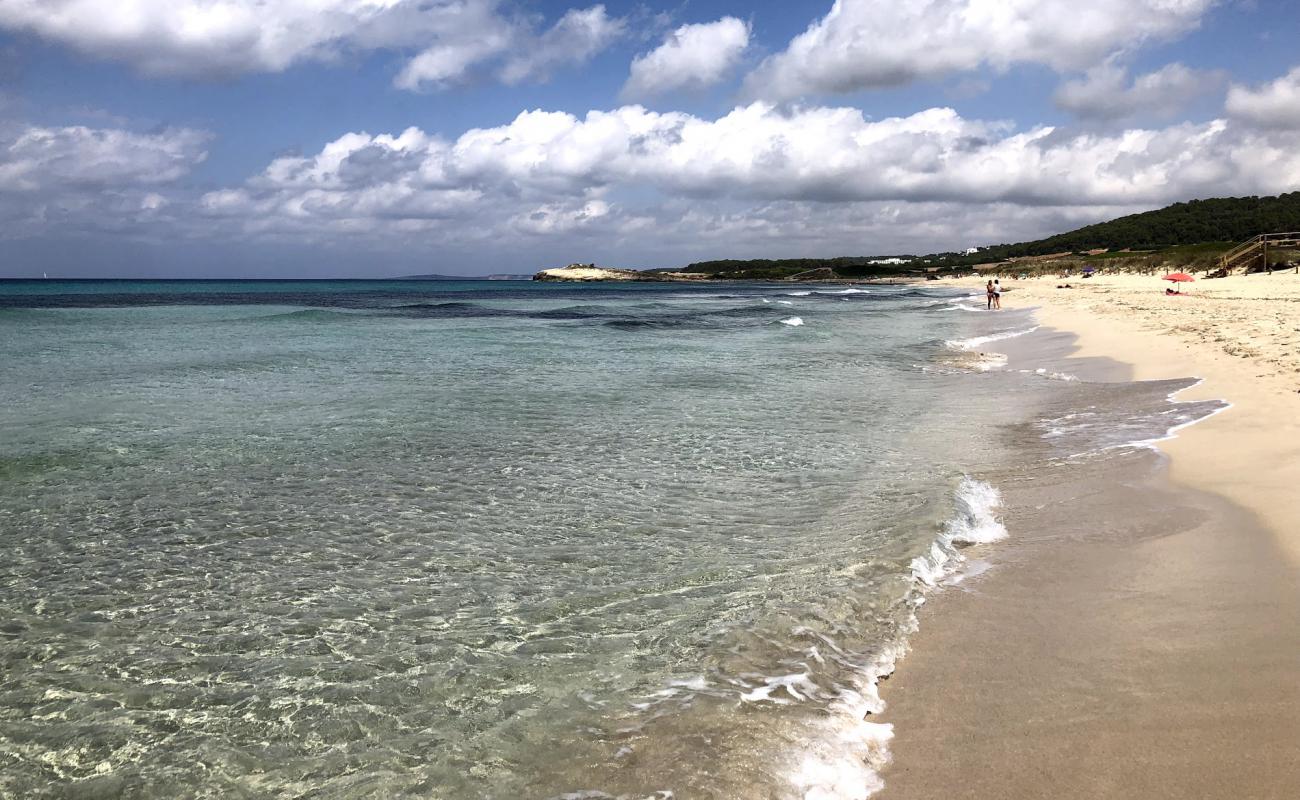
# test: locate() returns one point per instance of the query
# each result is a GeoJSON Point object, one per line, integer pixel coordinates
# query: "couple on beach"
{"type": "Point", "coordinates": [994, 291]}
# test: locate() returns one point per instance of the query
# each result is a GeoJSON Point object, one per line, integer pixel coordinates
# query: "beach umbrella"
{"type": "Point", "coordinates": [1178, 277]}
{"type": "Point", "coordinates": [1089, 269]}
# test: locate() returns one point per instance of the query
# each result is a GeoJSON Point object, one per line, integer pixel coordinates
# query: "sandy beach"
{"type": "Point", "coordinates": [1240, 334]}
{"type": "Point", "coordinates": [1139, 637]}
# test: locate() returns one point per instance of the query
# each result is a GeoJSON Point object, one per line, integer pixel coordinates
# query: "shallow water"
{"type": "Point", "coordinates": [488, 539]}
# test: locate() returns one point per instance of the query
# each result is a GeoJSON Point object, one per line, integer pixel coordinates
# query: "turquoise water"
{"type": "Point", "coordinates": [390, 539]}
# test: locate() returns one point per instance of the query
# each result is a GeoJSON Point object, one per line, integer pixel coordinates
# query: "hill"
{"type": "Point", "coordinates": [1222, 219]}
{"type": "Point", "coordinates": [1191, 233]}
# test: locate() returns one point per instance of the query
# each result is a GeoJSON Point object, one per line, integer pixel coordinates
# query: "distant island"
{"type": "Point", "coordinates": [1189, 236]}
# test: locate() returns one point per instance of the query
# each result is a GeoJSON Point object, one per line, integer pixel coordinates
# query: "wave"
{"type": "Point", "coordinates": [1055, 376]}
{"type": "Point", "coordinates": [451, 309]}
{"type": "Point", "coordinates": [577, 312]}
{"type": "Point", "coordinates": [793, 322]}
{"type": "Point", "coordinates": [303, 315]}
{"type": "Point", "coordinates": [987, 361]}
{"type": "Point", "coordinates": [850, 751]}
{"type": "Point", "coordinates": [976, 341]}
{"type": "Point", "coordinates": [974, 521]}
{"type": "Point", "coordinates": [1096, 429]}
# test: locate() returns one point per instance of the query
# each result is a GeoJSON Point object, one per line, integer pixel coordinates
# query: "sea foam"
{"type": "Point", "coordinates": [976, 341]}
{"type": "Point", "coordinates": [846, 757]}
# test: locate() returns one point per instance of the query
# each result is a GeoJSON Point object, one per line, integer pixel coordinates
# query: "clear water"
{"type": "Point", "coordinates": [352, 539]}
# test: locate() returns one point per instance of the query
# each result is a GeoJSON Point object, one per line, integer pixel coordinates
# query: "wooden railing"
{"type": "Point", "coordinates": [1256, 249]}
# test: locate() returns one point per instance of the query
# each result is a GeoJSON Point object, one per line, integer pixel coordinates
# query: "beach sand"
{"type": "Point", "coordinates": [1242, 335]}
{"type": "Point", "coordinates": [1139, 636]}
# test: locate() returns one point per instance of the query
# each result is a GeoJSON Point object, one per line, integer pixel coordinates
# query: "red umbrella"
{"type": "Point", "coordinates": [1179, 277]}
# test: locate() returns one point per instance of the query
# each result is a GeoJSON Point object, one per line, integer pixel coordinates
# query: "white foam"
{"type": "Point", "coordinates": [848, 291]}
{"type": "Point", "coordinates": [970, 569]}
{"type": "Point", "coordinates": [1056, 376]}
{"type": "Point", "coordinates": [1059, 426]}
{"type": "Point", "coordinates": [785, 302]}
{"type": "Point", "coordinates": [1172, 433]}
{"type": "Point", "coordinates": [974, 522]}
{"type": "Point", "coordinates": [845, 750]}
{"type": "Point", "coordinates": [792, 684]}
{"type": "Point", "coordinates": [955, 305]}
{"type": "Point", "coordinates": [798, 294]}
{"type": "Point", "coordinates": [793, 322]}
{"type": "Point", "coordinates": [988, 361]}
{"type": "Point", "coordinates": [974, 342]}
{"type": "Point", "coordinates": [848, 766]}
{"type": "Point", "coordinates": [848, 753]}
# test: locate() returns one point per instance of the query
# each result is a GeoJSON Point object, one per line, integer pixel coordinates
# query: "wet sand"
{"type": "Point", "coordinates": [1241, 334]}
{"type": "Point", "coordinates": [1135, 638]}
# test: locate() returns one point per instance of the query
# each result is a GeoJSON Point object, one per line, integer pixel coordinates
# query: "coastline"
{"type": "Point", "coordinates": [1138, 636]}
{"type": "Point", "coordinates": [1240, 335]}
{"type": "Point", "coordinates": [1245, 352]}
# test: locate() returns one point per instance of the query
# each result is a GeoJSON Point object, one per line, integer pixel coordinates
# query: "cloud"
{"type": "Point", "coordinates": [1275, 104]}
{"type": "Point", "coordinates": [42, 159]}
{"type": "Point", "coordinates": [865, 44]}
{"type": "Point", "coordinates": [88, 177]}
{"type": "Point", "coordinates": [518, 52]}
{"type": "Point", "coordinates": [579, 35]}
{"type": "Point", "coordinates": [216, 38]}
{"type": "Point", "coordinates": [761, 178]}
{"type": "Point", "coordinates": [556, 172]}
{"type": "Point", "coordinates": [1105, 92]}
{"type": "Point", "coordinates": [693, 57]}
{"type": "Point", "coordinates": [553, 218]}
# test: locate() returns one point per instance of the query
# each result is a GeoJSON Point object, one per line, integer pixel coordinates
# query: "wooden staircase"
{"type": "Point", "coordinates": [1254, 251]}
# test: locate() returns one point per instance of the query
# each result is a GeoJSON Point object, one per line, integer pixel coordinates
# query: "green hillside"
{"type": "Point", "coordinates": [1194, 232]}
{"type": "Point", "coordinates": [1221, 219]}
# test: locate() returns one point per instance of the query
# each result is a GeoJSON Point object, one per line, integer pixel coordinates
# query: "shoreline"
{"type": "Point", "coordinates": [1152, 652]}
{"type": "Point", "coordinates": [1220, 334]}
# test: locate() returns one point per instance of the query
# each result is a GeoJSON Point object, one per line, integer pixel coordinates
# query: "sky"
{"type": "Point", "coordinates": [373, 138]}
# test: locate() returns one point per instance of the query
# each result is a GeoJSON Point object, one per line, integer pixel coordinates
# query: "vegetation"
{"type": "Point", "coordinates": [1188, 235]}
{"type": "Point", "coordinates": [847, 266]}
{"type": "Point", "coordinates": [1224, 219]}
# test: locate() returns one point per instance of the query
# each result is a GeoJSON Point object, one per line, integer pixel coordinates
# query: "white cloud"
{"type": "Point", "coordinates": [198, 37]}
{"type": "Point", "coordinates": [44, 159]}
{"type": "Point", "coordinates": [863, 44]}
{"type": "Point", "coordinates": [77, 177]}
{"type": "Point", "coordinates": [758, 179]}
{"type": "Point", "coordinates": [513, 45]}
{"type": "Point", "coordinates": [553, 218]}
{"type": "Point", "coordinates": [207, 38]}
{"type": "Point", "coordinates": [693, 57]}
{"type": "Point", "coordinates": [552, 172]}
{"type": "Point", "coordinates": [1105, 92]}
{"type": "Point", "coordinates": [1275, 104]}
{"type": "Point", "coordinates": [579, 35]}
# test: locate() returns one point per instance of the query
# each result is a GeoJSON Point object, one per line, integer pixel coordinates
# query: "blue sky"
{"type": "Point", "coordinates": [365, 138]}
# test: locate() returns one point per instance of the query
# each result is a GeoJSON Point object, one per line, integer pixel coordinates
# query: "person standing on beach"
{"type": "Point", "coordinates": [988, 290]}
{"type": "Point", "coordinates": [997, 293]}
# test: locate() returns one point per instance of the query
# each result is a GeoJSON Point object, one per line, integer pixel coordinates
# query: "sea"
{"type": "Point", "coordinates": [418, 539]}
